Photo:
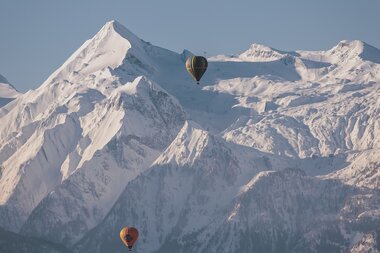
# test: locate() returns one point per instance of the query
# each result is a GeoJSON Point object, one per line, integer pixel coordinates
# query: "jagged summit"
{"type": "Point", "coordinates": [354, 45]}
{"type": "Point", "coordinates": [259, 52]}
{"type": "Point", "coordinates": [141, 85]}
{"type": "Point", "coordinates": [360, 48]}
{"type": "Point", "coordinates": [107, 50]}
{"type": "Point", "coordinates": [187, 146]}
{"type": "Point", "coordinates": [255, 53]}
{"type": "Point", "coordinates": [345, 51]}
{"type": "Point", "coordinates": [120, 29]}
{"type": "Point", "coordinates": [348, 50]}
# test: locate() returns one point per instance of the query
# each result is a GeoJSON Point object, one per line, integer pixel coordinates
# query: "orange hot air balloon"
{"type": "Point", "coordinates": [129, 236]}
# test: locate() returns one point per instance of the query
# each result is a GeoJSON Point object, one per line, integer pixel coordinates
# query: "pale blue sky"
{"type": "Point", "coordinates": [37, 36]}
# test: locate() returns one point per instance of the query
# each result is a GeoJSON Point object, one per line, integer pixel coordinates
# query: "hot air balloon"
{"type": "Point", "coordinates": [129, 236]}
{"type": "Point", "coordinates": [196, 66]}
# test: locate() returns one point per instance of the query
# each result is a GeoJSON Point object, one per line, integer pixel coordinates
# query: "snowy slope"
{"type": "Point", "coordinates": [275, 152]}
{"type": "Point", "coordinates": [188, 186]}
{"type": "Point", "coordinates": [92, 186]}
{"type": "Point", "coordinates": [363, 170]}
{"type": "Point", "coordinates": [7, 92]}
{"type": "Point", "coordinates": [69, 124]}
{"type": "Point", "coordinates": [182, 209]}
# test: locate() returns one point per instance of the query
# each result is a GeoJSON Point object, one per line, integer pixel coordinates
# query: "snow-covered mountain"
{"type": "Point", "coordinates": [7, 91]}
{"type": "Point", "coordinates": [255, 53]}
{"type": "Point", "coordinates": [275, 151]}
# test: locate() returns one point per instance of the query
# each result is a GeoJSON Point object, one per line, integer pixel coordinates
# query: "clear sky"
{"type": "Point", "coordinates": [37, 36]}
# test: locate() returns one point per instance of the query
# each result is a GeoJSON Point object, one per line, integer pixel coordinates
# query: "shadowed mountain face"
{"type": "Point", "coordinates": [11, 242]}
{"type": "Point", "coordinates": [274, 152]}
{"type": "Point", "coordinates": [7, 91]}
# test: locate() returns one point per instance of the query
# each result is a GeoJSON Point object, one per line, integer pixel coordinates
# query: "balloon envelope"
{"type": "Point", "coordinates": [129, 236]}
{"type": "Point", "coordinates": [196, 66]}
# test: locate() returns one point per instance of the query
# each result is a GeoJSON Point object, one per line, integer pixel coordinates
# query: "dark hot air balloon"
{"type": "Point", "coordinates": [129, 236]}
{"type": "Point", "coordinates": [196, 66]}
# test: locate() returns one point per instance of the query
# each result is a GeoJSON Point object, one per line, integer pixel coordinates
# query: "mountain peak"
{"type": "Point", "coordinates": [115, 26]}
{"type": "Point", "coordinates": [347, 49]}
{"type": "Point", "coordinates": [187, 146]}
{"type": "Point", "coordinates": [355, 45]}
{"type": "Point", "coordinates": [351, 43]}
{"type": "Point", "coordinates": [107, 49]}
{"type": "Point", "coordinates": [112, 22]}
{"type": "Point", "coordinates": [260, 47]}
{"type": "Point", "coordinates": [142, 85]}
{"type": "Point", "coordinates": [259, 52]}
